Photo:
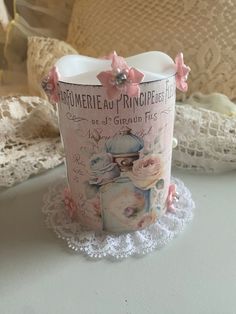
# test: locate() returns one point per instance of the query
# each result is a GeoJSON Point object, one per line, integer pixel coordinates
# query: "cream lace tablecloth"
{"type": "Point", "coordinates": [206, 140]}
{"type": "Point", "coordinates": [29, 138]}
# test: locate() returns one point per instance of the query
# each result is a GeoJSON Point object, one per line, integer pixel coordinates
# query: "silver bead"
{"type": "Point", "coordinates": [120, 78]}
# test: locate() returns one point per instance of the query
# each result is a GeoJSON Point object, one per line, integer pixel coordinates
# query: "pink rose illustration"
{"type": "Point", "coordinates": [146, 172]}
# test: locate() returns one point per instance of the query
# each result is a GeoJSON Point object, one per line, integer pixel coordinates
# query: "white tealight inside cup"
{"type": "Point", "coordinates": [79, 69]}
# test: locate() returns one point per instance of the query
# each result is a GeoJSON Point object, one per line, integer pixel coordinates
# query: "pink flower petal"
{"type": "Point", "coordinates": [181, 85]}
{"type": "Point", "coordinates": [179, 60]}
{"type": "Point", "coordinates": [113, 92]}
{"type": "Point", "coordinates": [50, 85]}
{"type": "Point", "coordinates": [172, 188]}
{"type": "Point", "coordinates": [185, 71]}
{"type": "Point", "coordinates": [182, 72]}
{"type": "Point", "coordinates": [132, 90]}
{"type": "Point", "coordinates": [54, 74]}
{"type": "Point", "coordinates": [105, 78]}
{"type": "Point", "coordinates": [118, 63]}
{"type": "Point", "coordinates": [170, 198]}
{"type": "Point", "coordinates": [54, 97]}
{"type": "Point", "coordinates": [135, 76]}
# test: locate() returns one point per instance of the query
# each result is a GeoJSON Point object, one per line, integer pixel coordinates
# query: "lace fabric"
{"type": "Point", "coordinates": [42, 55]}
{"type": "Point", "coordinates": [29, 138]}
{"type": "Point", "coordinates": [202, 30]}
{"type": "Point", "coordinates": [116, 246]}
{"type": "Point", "coordinates": [206, 140]}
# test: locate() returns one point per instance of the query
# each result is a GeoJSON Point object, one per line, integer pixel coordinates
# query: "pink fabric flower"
{"type": "Point", "coordinates": [49, 85]}
{"type": "Point", "coordinates": [182, 72]}
{"type": "Point", "coordinates": [69, 203]}
{"type": "Point", "coordinates": [171, 197]}
{"type": "Point", "coordinates": [121, 79]}
{"type": "Point", "coordinates": [146, 171]}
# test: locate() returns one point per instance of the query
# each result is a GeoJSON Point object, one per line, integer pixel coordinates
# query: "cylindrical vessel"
{"type": "Point", "coordinates": [118, 152]}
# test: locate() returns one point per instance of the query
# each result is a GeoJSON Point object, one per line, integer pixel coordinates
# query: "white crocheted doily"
{"type": "Point", "coordinates": [116, 245]}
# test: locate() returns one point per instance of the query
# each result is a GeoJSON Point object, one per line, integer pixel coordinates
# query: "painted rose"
{"type": "Point", "coordinates": [103, 169]}
{"type": "Point", "coordinates": [146, 172]}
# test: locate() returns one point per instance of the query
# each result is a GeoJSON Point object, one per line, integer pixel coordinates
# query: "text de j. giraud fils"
{"type": "Point", "coordinates": [79, 102]}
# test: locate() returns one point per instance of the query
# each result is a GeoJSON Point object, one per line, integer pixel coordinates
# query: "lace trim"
{"type": "Point", "coordinates": [116, 246]}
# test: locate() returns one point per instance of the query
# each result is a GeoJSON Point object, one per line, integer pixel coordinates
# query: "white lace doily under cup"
{"type": "Point", "coordinates": [116, 245]}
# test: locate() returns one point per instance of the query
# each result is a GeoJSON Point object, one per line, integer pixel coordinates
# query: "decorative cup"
{"type": "Point", "coordinates": [118, 150]}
